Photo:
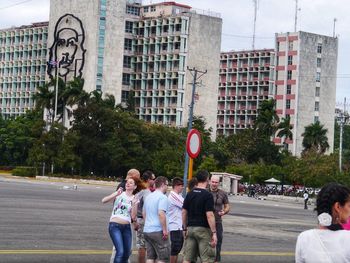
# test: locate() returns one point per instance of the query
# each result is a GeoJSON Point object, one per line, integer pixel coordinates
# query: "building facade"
{"type": "Point", "coordinates": [169, 38]}
{"type": "Point", "coordinates": [123, 46]}
{"type": "Point", "coordinates": [23, 52]}
{"type": "Point", "coordinates": [305, 86]}
{"type": "Point", "coordinates": [246, 79]}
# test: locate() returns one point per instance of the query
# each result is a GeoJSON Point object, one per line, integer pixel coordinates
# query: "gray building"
{"type": "Point", "coordinates": [122, 46]}
{"type": "Point", "coordinates": [23, 53]}
{"type": "Point", "coordinates": [305, 85]}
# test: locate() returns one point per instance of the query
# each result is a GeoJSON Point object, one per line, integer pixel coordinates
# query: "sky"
{"type": "Point", "coordinates": [273, 16]}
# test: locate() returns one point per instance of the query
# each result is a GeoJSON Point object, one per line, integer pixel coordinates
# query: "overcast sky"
{"type": "Point", "coordinates": [273, 16]}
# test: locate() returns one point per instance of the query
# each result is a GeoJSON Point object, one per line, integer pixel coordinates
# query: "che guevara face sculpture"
{"type": "Point", "coordinates": [67, 53]}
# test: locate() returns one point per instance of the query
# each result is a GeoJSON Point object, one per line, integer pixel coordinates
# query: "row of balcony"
{"type": "Point", "coordinates": [234, 126]}
{"type": "Point", "coordinates": [152, 111]}
{"type": "Point", "coordinates": [237, 112]}
{"type": "Point", "coordinates": [246, 55]}
{"type": "Point", "coordinates": [242, 97]}
{"type": "Point", "coordinates": [245, 83]}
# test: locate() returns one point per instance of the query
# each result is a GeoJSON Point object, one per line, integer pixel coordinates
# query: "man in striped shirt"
{"type": "Point", "coordinates": [175, 218]}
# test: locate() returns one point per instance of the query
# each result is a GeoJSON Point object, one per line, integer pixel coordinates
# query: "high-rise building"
{"type": "Point", "coordinates": [23, 53]}
{"type": "Point", "coordinates": [169, 38]}
{"type": "Point", "coordinates": [246, 79]}
{"type": "Point", "coordinates": [306, 68]}
{"type": "Point", "coordinates": [119, 46]}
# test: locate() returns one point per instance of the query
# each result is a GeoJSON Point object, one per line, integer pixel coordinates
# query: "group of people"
{"type": "Point", "coordinates": [165, 224]}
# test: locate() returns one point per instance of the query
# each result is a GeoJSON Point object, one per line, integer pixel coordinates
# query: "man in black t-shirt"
{"type": "Point", "coordinates": [199, 222]}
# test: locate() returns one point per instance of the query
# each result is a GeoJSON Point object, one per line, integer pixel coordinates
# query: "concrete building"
{"type": "Point", "coordinates": [306, 68]}
{"type": "Point", "coordinates": [246, 79]}
{"type": "Point", "coordinates": [169, 38]}
{"type": "Point", "coordinates": [23, 53]}
{"type": "Point", "coordinates": [119, 46]}
{"type": "Point", "coordinates": [228, 182]}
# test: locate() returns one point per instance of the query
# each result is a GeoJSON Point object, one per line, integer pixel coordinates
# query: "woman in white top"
{"type": "Point", "coordinates": [119, 223]}
{"type": "Point", "coordinates": [329, 242]}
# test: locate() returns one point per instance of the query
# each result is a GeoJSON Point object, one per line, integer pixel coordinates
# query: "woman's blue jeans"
{"type": "Point", "coordinates": [121, 237]}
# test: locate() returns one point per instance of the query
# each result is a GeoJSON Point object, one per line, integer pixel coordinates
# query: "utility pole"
{"type": "Point", "coordinates": [56, 90]}
{"type": "Point", "coordinates": [254, 23]}
{"type": "Point", "coordinates": [342, 123]}
{"type": "Point", "coordinates": [194, 72]}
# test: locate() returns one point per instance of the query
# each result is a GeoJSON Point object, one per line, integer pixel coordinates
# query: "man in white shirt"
{"type": "Point", "coordinates": [175, 218]}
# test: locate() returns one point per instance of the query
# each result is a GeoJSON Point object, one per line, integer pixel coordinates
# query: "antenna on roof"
{"type": "Point", "coordinates": [334, 21]}
{"type": "Point", "coordinates": [296, 15]}
{"type": "Point", "coordinates": [254, 23]}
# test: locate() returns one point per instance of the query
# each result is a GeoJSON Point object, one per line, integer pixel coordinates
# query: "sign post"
{"type": "Point", "coordinates": [193, 148]}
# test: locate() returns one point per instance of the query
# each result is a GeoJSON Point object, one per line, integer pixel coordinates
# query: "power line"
{"type": "Point", "coordinates": [243, 36]}
{"type": "Point", "coordinates": [19, 3]}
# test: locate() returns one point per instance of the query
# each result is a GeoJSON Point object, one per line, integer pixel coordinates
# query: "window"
{"type": "Point", "coordinates": [319, 48]}
{"type": "Point", "coordinates": [316, 119]}
{"type": "Point", "coordinates": [317, 92]}
{"type": "Point", "coordinates": [290, 45]}
{"type": "Point", "coordinates": [128, 26]}
{"type": "Point", "coordinates": [145, 9]}
{"type": "Point", "coordinates": [318, 62]}
{"type": "Point", "coordinates": [153, 8]}
{"type": "Point", "coordinates": [318, 76]}
{"type": "Point", "coordinates": [287, 104]}
{"type": "Point", "coordinates": [289, 74]}
{"type": "Point", "coordinates": [125, 95]}
{"type": "Point", "coordinates": [127, 62]}
{"type": "Point", "coordinates": [290, 60]}
{"type": "Point", "coordinates": [126, 79]}
{"type": "Point", "coordinates": [128, 44]}
{"type": "Point", "coordinates": [289, 89]}
{"type": "Point", "coordinates": [317, 105]}
{"type": "Point", "coordinates": [133, 10]}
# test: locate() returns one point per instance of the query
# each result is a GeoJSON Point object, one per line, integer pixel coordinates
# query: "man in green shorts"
{"type": "Point", "coordinates": [199, 222]}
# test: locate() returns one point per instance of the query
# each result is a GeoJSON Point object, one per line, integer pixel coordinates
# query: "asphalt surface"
{"type": "Point", "coordinates": [51, 222]}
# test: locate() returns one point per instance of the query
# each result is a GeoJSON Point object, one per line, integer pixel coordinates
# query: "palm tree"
{"type": "Point", "coordinates": [285, 130]}
{"type": "Point", "coordinates": [315, 138]}
{"type": "Point", "coordinates": [266, 122]}
{"type": "Point", "coordinates": [76, 95]}
{"type": "Point", "coordinates": [73, 93]}
{"type": "Point", "coordinates": [45, 98]}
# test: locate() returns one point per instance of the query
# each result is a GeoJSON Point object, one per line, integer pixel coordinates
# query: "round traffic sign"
{"type": "Point", "coordinates": [193, 143]}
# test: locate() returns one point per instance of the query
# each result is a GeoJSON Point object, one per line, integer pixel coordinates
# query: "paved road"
{"type": "Point", "coordinates": [71, 225]}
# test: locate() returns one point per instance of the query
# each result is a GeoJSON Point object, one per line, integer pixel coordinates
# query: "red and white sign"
{"type": "Point", "coordinates": [193, 143]}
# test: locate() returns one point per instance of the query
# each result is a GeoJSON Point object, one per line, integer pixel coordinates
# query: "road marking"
{"type": "Point", "coordinates": [257, 253]}
{"type": "Point", "coordinates": [108, 252]}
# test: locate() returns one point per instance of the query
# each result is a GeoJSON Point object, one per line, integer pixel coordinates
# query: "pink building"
{"type": "Point", "coordinates": [246, 79]}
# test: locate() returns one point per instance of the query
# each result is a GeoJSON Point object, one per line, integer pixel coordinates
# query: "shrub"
{"type": "Point", "coordinates": [24, 171]}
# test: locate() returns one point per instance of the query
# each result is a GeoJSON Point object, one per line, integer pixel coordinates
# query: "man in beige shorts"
{"type": "Point", "coordinates": [199, 222]}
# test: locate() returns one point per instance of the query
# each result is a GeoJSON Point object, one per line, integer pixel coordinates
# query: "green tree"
{"type": "Point", "coordinates": [285, 131]}
{"type": "Point", "coordinates": [209, 164]}
{"type": "Point", "coordinates": [45, 99]}
{"type": "Point", "coordinates": [315, 138]}
{"type": "Point", "coordinates": [267, 120]}
{"type": "Point", "coordinates": [17, 137]}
